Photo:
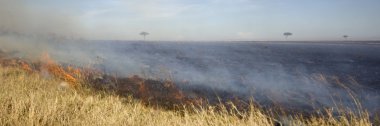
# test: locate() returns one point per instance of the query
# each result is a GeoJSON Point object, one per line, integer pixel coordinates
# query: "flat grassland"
{"type": "Point", "coordinates": [32, 99]}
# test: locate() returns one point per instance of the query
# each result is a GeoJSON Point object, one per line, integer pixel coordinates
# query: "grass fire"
{"type": "Point", "coordinates": [213, 62]}
{"type": "Point", "coordinates": [185, 98]}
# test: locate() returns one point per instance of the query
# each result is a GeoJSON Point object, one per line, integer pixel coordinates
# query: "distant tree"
{"type": "Point", "coordinates": [287, 34]}
{"type": "Point", "coordinates": [144, 34]}
{"type": "Point", "coordinates": [345, 37]}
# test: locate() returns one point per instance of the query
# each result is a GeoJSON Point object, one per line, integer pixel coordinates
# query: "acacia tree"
{"type": "Point", "coordinates": [287, 34]}
{"type": "Point", "coordinates": [144, 34]}
{"type": "Point", "coordinates": [345, 37]}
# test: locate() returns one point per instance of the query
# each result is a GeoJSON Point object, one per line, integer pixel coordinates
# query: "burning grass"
{"type": "Point", "coordinates": [59, 72]}
{"type": "Point", "coordinates": [31, 95]}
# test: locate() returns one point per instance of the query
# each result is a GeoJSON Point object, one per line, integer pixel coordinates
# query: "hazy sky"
{"type": "Point", "coordinates": [198, 19]}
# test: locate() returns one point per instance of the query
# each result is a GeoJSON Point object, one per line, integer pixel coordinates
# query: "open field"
{"type": "Point", "coordinates": [190, 62]}
{"type": "Point", "coordinates": [48, 90]}
{"type": "Point", "coordinates": [301, 76]}
{"type": "Point", "coordinates": [31, 99]}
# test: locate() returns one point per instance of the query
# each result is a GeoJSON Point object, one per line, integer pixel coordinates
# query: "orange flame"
{"type": "Point", "coordinates": [26, 67]}
{"type": "Point", "coordinates": [58, 71]}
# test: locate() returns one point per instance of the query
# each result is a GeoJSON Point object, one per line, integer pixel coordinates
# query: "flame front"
{"type": "Point", "coordinates": [58, 71]}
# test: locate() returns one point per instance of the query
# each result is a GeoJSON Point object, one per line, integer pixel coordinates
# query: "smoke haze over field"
{"type": "Point", "coordinates": [19, 18]}
{"type": "Point", "coordinates": [291, 73]}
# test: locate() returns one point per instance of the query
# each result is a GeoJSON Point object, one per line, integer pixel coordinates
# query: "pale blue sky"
{"type": "Point", "coordinates": [219, 19]}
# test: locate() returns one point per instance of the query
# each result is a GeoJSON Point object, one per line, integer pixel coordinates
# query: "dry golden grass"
{"type": "Point", "coordinates": [30, 99]}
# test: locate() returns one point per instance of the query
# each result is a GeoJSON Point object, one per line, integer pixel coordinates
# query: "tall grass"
{"type": "Point", "coordinates": [32, 99]}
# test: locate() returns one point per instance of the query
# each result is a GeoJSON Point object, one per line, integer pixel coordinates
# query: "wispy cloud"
{"type": "Point", "coordinates": [156, 8]}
